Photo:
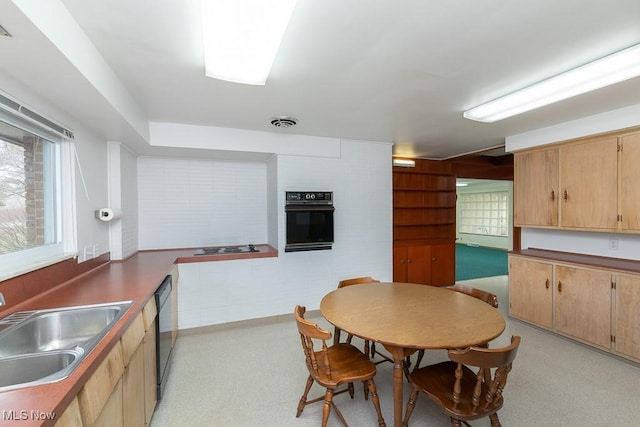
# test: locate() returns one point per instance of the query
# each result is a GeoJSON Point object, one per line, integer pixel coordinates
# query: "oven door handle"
{"type": "Point", "coordinates": [309, 208]}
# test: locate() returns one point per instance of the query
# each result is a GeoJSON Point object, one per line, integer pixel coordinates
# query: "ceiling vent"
{"type": "Point", "coordinates": [283, 122]}
{"type": "Point", "coordinates": [4, 32]}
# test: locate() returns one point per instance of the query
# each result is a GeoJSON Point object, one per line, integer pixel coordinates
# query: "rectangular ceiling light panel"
{"type": "Point", "coordinates": [615, 68]}
{"type": "Point", "coordinates": [242, 37]}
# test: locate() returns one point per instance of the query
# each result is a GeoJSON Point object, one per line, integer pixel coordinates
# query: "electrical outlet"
{"type": "Point", "coordinates": [90, 252]}
{"type": "Point", "coordinates": [613, 244]}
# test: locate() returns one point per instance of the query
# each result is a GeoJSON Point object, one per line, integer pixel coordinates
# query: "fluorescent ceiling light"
{"type": "Point", "coordinates": [461, 184]}
{"type": "Point", "coordinates": [241, 37]}
{"type": "Point", "coordinates": [405, 163]}
{"type": "Point", "coordinates": [620, 66]}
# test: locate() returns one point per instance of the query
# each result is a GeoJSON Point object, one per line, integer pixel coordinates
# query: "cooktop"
{"type": "Point", "coordinates": [219, 250]}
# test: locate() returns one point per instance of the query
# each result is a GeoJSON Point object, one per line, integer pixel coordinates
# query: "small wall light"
{"type": "Point", "coordinates": [405, 163]}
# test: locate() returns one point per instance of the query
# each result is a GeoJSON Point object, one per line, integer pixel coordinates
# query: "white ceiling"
{"type": "Point", "coordinates": [400, 71]}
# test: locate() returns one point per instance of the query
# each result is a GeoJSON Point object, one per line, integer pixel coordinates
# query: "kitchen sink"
{"type": "Point", "coordinates": [53, 340]}
{"type": "Point", "coordinates": [38, 368]}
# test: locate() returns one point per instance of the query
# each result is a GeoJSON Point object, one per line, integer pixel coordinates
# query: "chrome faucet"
{"type": "Point", "coordinates": [2, 301]}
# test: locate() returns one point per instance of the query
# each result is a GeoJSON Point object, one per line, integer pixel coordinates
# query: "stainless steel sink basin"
{"type": "Point", "coordinates": [54, 340]}
{"type": "Point", "coordinates": [33, 369]}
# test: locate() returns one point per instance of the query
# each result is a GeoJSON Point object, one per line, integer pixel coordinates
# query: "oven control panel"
{"type": "Point", "coordinates": [309, 197]}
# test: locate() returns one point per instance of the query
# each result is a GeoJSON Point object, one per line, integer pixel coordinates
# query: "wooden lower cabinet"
{"type": "Point", "coordinates": [583, 304]}
{"type": "Point", "coordinates": [112, 414]}
{"type": "Point", "coordinates": [531, 291]}
{"type": "Point", "coordinates": [425, 264]}
{"type": "Point", "coordinates": [626, 316]}
{"type": "Point", "coordinates": [123, 390]}
{"type": "Point", "coordinates": [411, 264]}
{"type": "Point", "coordinates": [594, 305]}
{"type": "Point", "coordinates": [71, 416]}
{"type": "Point", "coordinates": [133, 394]}
{"type": "Point", "coordinates": [97, 391]}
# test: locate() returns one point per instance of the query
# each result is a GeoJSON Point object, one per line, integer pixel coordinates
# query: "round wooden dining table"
{"type": "Point", "coordinates": [405, 317]}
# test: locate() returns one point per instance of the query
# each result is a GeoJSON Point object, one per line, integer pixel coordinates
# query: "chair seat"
{"type": "Point", "coordinates": [437, 382]}
{"type": "Point", "coordinates": [348, 364]}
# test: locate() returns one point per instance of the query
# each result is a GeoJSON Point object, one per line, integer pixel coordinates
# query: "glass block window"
{"type": "Point", "coordinates": [484, 213]}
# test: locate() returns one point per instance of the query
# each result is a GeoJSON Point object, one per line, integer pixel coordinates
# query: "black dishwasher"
{"type": "Point", "coordinates": [164, 330]}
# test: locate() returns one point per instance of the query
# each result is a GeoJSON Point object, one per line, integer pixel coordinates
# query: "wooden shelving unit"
{"type": "Point", "coordinates": [424, 221]}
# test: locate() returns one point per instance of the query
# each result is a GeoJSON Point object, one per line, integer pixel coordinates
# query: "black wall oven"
{"type": "Point", "coordinates": [309, 220]}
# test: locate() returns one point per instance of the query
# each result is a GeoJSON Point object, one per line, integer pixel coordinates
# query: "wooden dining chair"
{"type": "Point", "coordinates": [485, 296]}
{"type": "Point", "coordinates": [369, 348]}
{"type": "Point", "coordinates": [332, 367]}
{"type": "Point", "coordinates": [462, 393]}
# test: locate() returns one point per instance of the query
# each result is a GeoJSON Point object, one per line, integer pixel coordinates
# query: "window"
{"type": "Point", "coordinates": [37, 202]}
{"type": "Point", "coordinates": [484, 213]}
{"type": "Point", "coordinates": [28, 196]}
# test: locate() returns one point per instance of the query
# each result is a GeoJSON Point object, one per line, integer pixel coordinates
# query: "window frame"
{"type": "Point", "coordinates": [63, 204]}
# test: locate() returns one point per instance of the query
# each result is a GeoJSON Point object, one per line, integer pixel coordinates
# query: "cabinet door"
{"type": "Point", "coordinates": [536, 188]}
{"type": "Point", "coordinates": [419, 264]}
{"type": "Point", "coordinates": [443, 264]}
{"type": "Point", "coordinates": [530, 291]}
{"type": "Point", "coordinates": [71, 416]}
{"type": "Point", "coordinates": [583, 304]}
{"type": "Point", "coordinates": [626, 316]}
{"type": "Point", "coordinates": [133, 390]}
{"type": "Point", "coordinates": [399, 263]}
{"type": "Point", "coordinates": [99, 388]}
{"type": "Point", "coordinates": [111, 415]}
{"type": "Point", "coordinates": [589, 180]}
{"type": "Point", "coordinates": [629, 178]}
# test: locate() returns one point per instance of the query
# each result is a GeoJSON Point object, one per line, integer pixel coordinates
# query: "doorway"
{"type": "Point", "coordinates": [484, 227]}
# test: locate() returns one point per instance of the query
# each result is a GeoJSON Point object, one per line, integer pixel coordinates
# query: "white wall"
{"type": "Point", "coordinates": [217, 292]}
{"type": "Point", "coordinates": [628, 246]}
{"type": "Point", "coordinates": [185, 203]}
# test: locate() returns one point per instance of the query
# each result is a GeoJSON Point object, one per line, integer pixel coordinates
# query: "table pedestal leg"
{"type": "Point", "coordinates": [398, 354]}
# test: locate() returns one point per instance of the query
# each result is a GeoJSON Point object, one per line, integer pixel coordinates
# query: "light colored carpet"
{"type": "Point", "coordinates": [254, 375]}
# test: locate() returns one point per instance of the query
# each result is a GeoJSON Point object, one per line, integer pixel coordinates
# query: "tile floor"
{"type": "Point", "coordinates": [253, 376]}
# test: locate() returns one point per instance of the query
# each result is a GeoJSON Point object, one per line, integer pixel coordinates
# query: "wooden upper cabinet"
{"type": "Point", "coordinates": [536, 188]}
{"type": "Point", "coordinates": [629, 178]}
{"type": "Point", "coordinates": [588, 179]}
{"type": "Point", "coordinates": [587, 184]}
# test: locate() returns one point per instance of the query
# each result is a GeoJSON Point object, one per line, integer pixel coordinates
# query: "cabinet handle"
{"type": "Point", "coordinates": [434, 259]}
{"type": "Point", "coordinates": [553, 195]}
{"type": "Point", "coordinates": [559, 286]}
{"type": "Point", "coordinates": [566, 195]}
{"type": "Point", "coordinates": [402, 261]}
{"type": "Point", "coordinates": [546, 284]}
{"type": "Point", "coordinates": [409, 261]}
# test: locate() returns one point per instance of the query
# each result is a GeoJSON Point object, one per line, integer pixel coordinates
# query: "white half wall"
{"type": "Point", "coordinates": [360, 179]}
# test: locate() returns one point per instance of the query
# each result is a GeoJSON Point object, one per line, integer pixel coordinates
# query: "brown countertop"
{"type": "Point", "coordinates": [135, 279]}
{"type": "Point", "coordinates": [621, 264]}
